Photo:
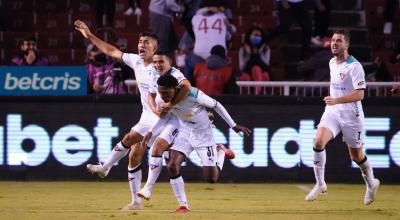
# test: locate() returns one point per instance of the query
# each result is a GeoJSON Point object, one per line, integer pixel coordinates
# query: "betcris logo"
{"type": "Point", "coordinates": [54, 81]}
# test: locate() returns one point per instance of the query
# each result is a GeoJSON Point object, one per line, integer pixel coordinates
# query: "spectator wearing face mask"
{"type": "Point", "coordinates": [254, 56]}
{"type": "Point", "coordinates": [28, 54]}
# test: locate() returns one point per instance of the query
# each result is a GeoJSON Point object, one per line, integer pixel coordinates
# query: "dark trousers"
{"type": "Point", "coordinates": [106, 7]}
{"type": "Point", "coordinates": [322, 19]}
{"type": "Point", "coordinates": [299, 12]}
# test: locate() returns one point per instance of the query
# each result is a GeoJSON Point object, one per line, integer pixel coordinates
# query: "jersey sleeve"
{"type": "Point", "coordinates": [209, 102]}
{"type": "Point", "coordinates": [178, 75]}
{"type": "Point", "coordinates": [153, 85]}
{"type": "Point", "coordinates": [131, 60]}
{"type": "Point", "coordinates": [358, 77]}
{"type": "Point", "coordinates": [203, 99]}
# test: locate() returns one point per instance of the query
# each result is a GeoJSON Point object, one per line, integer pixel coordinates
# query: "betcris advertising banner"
{"type": "Point", "coordinates": [55, 137]}
{"type": "Point", "coordinates": [43, 81]}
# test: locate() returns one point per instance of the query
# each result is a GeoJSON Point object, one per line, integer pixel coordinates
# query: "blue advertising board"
{"type": "Point", "coordinates": [37, 81]}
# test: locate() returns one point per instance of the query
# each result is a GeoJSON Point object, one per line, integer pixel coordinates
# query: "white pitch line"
{"type": "Point", "coordinates": [304, 188]}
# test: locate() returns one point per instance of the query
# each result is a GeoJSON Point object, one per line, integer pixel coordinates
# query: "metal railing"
{"type": "Point", "coordinates": [296, 88]}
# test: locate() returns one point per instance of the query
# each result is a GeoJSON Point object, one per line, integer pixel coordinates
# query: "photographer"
{"type": "Point", "coordinates": [105, 76]}
{"type": "Point", "coordinates": [29, 54]}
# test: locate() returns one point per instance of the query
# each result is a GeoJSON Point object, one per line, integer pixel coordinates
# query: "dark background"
{"type": "Point", "coordinates": [273, 113]}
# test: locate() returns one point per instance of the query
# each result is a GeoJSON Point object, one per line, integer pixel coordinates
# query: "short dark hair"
{"type": "Point", "coordinates": [345, 32]}
{"type": "Point", "coordinates": [162, 53]}
{"type": "Point", "coordinates": [167, 80]}
{"type": "Point", "coordinates": [149, 34]}
{"type": "Point", "coordinates": [28, 38]}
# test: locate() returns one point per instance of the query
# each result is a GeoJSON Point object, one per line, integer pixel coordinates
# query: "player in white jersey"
{"type": "Point", "coordinates": [195, 133]}
{"type": "Point", "coordinates": [343, 113]}
{"type": "Point", "coordinates": [144, 73]}
{"type": "Point", "coordinates": [163, 65]}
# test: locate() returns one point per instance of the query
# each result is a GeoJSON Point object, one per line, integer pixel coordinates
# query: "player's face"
{"type": "Point", "coordinates": [338, 44]}
{"type": "Point", "coordinates": [161, 63]}
{"type": "Point", "coordinates": [166, 93]}
{"type": "Point", "coordinates": [146, 47]}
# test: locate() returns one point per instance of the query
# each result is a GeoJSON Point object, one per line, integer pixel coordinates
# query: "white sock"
{"type": "Point", "coordinates": [117, 153]}
{"type": "Point", "coordinates": [220, 159]}
{"type": "Point", "coordinates": [134, 179]}
{"type": "Point", "coordinates": [179, 189]}
{"type": "Point", "coordinates": [155, 167]}
{"type": "Point", "coordinates": [366, 170]}
{"type": "Point", "coordinates": [319, 158]}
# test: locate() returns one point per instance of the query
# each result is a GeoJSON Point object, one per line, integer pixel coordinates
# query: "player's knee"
{"type": "Point", "coordinates": [319, 144]}
{"type": "Point", "coordinates": [159, 148]}
{"type": "Point", "coordinates": [173, 169]}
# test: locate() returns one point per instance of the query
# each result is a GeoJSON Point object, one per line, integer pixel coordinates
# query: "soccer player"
{"type": "Point", "coordinates": [195, 133]}
{"type": "Point", "coordinates": [144, 74]}
{"type": "Point", "coordinates": [343, 113]}
{"type": "Point", "coordinates": [163, 65]}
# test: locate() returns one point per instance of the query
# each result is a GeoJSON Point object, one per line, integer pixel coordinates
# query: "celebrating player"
{"type": "Point", "coordinates": [343, 113]}
{"type": "Point", "coordinates": [195, 133]}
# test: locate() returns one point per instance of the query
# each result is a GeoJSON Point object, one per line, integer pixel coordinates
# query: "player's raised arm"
{"type": "Point", "coordinates": [106, 48]}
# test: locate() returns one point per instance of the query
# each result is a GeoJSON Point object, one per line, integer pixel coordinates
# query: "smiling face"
{"type": "Point", "coordinates": [146, 47]}
{"type": "Point", "coordinates": [161, 63]}
{"type": "Point", "coordinates": [339, 44]}
{"type": "Point", "coordinates": [166, 93]}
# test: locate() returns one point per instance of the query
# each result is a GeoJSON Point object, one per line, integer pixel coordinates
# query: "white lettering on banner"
{"type": "Point", "coordinates": [376, 142]}
{"type": "Point", "coordinates": [73, 145]}
{"type": "Point", "coordinates": [35, 82]}
{"type": "Point", "coordinates": [104, 132]}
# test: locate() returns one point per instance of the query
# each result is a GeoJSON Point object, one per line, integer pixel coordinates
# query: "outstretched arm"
{"type": "Point", "coordinates": [106, 48]}
{"type": "Point", "coordinates": [209, 102]}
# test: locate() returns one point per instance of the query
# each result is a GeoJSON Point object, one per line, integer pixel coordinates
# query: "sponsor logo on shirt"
{"type": "Point", "coordinates": [361, 83]}
{"type": "Point", "coordinates": [188, 116]}
{"type": "Point", "coordinates": [342, 76]}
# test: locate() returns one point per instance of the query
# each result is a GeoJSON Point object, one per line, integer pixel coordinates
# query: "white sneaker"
{"type": "Point", "coordinates": [316, 41]}
{"type": "Point", "coordinates": [133, 206]}
{"type": "Point", "coordinates": [314, 193]}
{"type": "Point", "coordinates": [98, 169]}
{"type": "Point", "coordinates": [371, 192]}
{"type": "Point", "coordinates": [387, 28]}
{"type": "Point", "coordinates": [144, 193]}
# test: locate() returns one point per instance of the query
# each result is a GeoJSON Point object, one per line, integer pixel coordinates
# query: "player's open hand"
{"type": "Point", "coordinates": [330, 100]}
{"type": "Point", "coordinates": [82, 27]}
{"type": "Point", "coordinates": [145, 141]}
{"type": "Point", "coordinates": [238, 129]}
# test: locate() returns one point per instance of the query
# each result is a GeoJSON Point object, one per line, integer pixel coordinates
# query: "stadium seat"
{"type": "Point", "coordinates": [252, 7]}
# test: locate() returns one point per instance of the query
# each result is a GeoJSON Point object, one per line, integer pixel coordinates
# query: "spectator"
{"type": "Point", "coordinates": [161, 14]}
{"type": "Point", "coordinates": [107, 8]}
{"type": "Point", "coordinates": [28, 54]}
{"type": "Point", "coordinates": [104, 75]}
{"type": "Point", "coordinates": [321, 22]}
{"type": "Point", "coordinates": [210, 28]}
{"type": "Point", "coordinates": [316, 67]}
{"type": "Point", "coordinates": [254, 56]}
{"type": "Point", "coordinates": [390, 9]}
{"type": "Point", "coordinates": [294, 10]}
{"type": "Point", "coordinates": [215, 76]}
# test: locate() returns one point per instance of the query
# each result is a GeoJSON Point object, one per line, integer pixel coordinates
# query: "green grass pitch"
{"type": "Point", "coordinates": [103, 199]}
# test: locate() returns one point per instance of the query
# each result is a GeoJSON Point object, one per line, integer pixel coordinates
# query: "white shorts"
{"type": "Point", "coordinates": [353, 132]}
{"type": "Point", "coordinates": [168, 132]}
{"type": "Point", "coordinates": [200, 140]}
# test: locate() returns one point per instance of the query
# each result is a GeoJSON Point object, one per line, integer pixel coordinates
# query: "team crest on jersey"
{"type": "Point", "coordinates": [342, 76]}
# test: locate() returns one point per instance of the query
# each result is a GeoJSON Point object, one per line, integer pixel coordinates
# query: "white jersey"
{"type": "Point", "coordinates": [144, 78]}
{"type": "Point", "coordinates": [192, 112]}
{"type": "Point", "coordinates": [345, 78]}
{"type": "Point", "coordinates": [209, 30]}
{"type": "Point", "coordinates": [173, 71]}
